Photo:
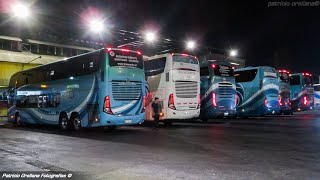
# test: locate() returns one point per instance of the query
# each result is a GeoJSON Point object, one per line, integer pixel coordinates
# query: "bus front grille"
{"type": "Point", "coordinates": [186, 89]}
{"type": "Point", "coordinates": [126, 91]}
{"type": "Point", "coordinates": [225, 90]}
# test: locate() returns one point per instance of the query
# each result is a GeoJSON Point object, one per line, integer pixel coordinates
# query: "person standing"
{"type": "Point", "coordinates": [156, 112]}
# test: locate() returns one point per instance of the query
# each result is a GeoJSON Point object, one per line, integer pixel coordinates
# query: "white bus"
{"type": "Point", "coordinates": [316, 96]}
{"type": "Point", "coordinates": [175, 79]}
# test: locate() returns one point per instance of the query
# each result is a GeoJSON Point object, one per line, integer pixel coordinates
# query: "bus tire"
{"type": "Point", "coordinates": [64, 122]}
{"type": "Point", "coordinates": [112, 128]}
{"type": "Point", "coordinates": [167, 123]}
{"type": "Point", "coordinates": [17, 119]}
{"type": "Point", "coordinates": [75, 122]}
{"type": "Point", "coordinates": [203, 119]}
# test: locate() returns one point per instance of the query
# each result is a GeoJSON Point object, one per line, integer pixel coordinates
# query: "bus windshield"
{"type": "Point", "coordinates": [246, 75]}
{"type": "Point", "coordinates": [222, 70]}
{"type": "Point", "coordinates": [125, 58]}
{"type": "Point", "coordinates": [185, 59]}
{"type": "Point", "coordinates": [308, 79]}
{"type": "Point", "coordinates": [284, 77]}
{"type": "Point", "coordinates": [316, 88]}
{"type": "Point", "coordinates": [295, 80]}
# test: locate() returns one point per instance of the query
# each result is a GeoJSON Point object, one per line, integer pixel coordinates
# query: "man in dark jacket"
{"type": "Point", "coordinates": [156, 108]}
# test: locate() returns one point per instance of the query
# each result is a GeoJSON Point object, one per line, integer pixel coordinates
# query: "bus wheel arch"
{"type": "Point", "coordinates": [64, 122]}
{"type": "Point", "coordinates": [75, 121]}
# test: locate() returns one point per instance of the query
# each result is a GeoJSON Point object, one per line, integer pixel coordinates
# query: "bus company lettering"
{"type": "Point", "coordinates": [187, 72]}
{"type": "Point", "coordinates": [126, 58]}
{"type": "Point", "coordinates": [122, 60]}
{"type": "Point", "coordinates": [224, 69]}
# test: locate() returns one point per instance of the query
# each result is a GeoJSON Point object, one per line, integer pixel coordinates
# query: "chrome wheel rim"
{"type": "Point", "coordinates": [76, 122]}
{"type": "Point", "coordinates": [64, 123]}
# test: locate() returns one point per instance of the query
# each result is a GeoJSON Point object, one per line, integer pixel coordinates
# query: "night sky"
{"type": "Point", "coordinates": [283, 37]}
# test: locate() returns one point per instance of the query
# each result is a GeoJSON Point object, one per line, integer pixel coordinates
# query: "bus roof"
{"type": "Point", "coordinates": [250, 68]}
{"type": "Point", "coordinates": [219, 62]}
{"type": "Point", "coordinates": [147, 58]}
{"type": "Point", "coordinates": [62, 60]}
{"type": "Point", "coordinates": [301, 74]}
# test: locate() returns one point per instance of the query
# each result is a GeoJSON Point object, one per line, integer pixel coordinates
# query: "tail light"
{"type": "Point", "coordinates": [199, 102]}
{"type": "Point", "coordinates": [305, 100]}
{"type": "Point", "coordinates": [144, 104]}
{"type": "Point", "coordinates": [279, 100]}
{"type": "Point", "coordinates": [171, 102]}
{"type": "Point", "coordinates": [214, 101]}
{"type": "Point", "coordinates": [265, 102]}
{"type": "Point", "coordinates": [107, 107]}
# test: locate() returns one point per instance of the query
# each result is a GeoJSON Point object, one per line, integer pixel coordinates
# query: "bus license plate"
{"type": "Point", "coordinates": [184, 108]}
{"type": "Point", "coordinates": [226, 114]}
{"type": "Point", "coordinates": [128, 121]}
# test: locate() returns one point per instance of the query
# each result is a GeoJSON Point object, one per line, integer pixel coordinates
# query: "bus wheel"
{"type": "Point", "coordinates": [63, 121]}
{"type": "Point", "coordinates": [111, 128]}
{"type": "Point", "coordinates": [17, 119]}
{"type": "Point", "coordinates": [167, 123]}
{"type": "Point", "coordinates": [204, 119]}
{"type": "Point", "coordinates": [76, 122]}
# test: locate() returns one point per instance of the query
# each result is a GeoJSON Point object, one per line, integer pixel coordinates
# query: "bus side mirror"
{"type": "Point", "coordinates": [261, 84]}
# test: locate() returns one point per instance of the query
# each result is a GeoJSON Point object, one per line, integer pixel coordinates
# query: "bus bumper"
{"type": "Point", "coordinates": [111, 120]}
{"type": "Point", "coordinates": [272, 111]}
{"type": "Point", "coordinates": [285, 109]}
{"type": "Point", "coordinates": [186, 114]}
{"type": "Point", "coordinates": [222, 113]}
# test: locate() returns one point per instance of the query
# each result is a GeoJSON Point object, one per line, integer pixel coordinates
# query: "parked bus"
{"type": "Point", "coordinates": [101, 88]}
{"type": "Point", "coordinates": [284, 92]}
{"type": "Point", "coordinates": [174, 79]}
{"type": "Point", "coordinates": [217, 89]}
{"type": "Point", "coordinates": [257, 91]}
{"type": "Point", "coordinates": [301, 88]}
{"type": "Point", "coordinates": [316, 96]}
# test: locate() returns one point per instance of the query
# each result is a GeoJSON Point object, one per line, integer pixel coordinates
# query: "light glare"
{"type": "Point", "coordinates": [191, 45]}
{"type": "Point", "coordinates": [150, 36]}
{"type": "Point", "coordinates": [233, 53]}
{"type": "Point", "coordinates": [96, 25]}
{"type": "Point", "coordinates": [20, 10]}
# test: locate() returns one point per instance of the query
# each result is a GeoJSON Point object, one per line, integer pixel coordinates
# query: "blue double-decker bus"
{"type": "Point", "coordinates": [284, 92]}
{"type": "Point", "coordinates": [257, 91]}
{"type": "Point", "coordinates": [301, 88]}
{"type": "Point", "coordinates": [101, 88]}
{"type": "Point", "coordinates": [217, 90]}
